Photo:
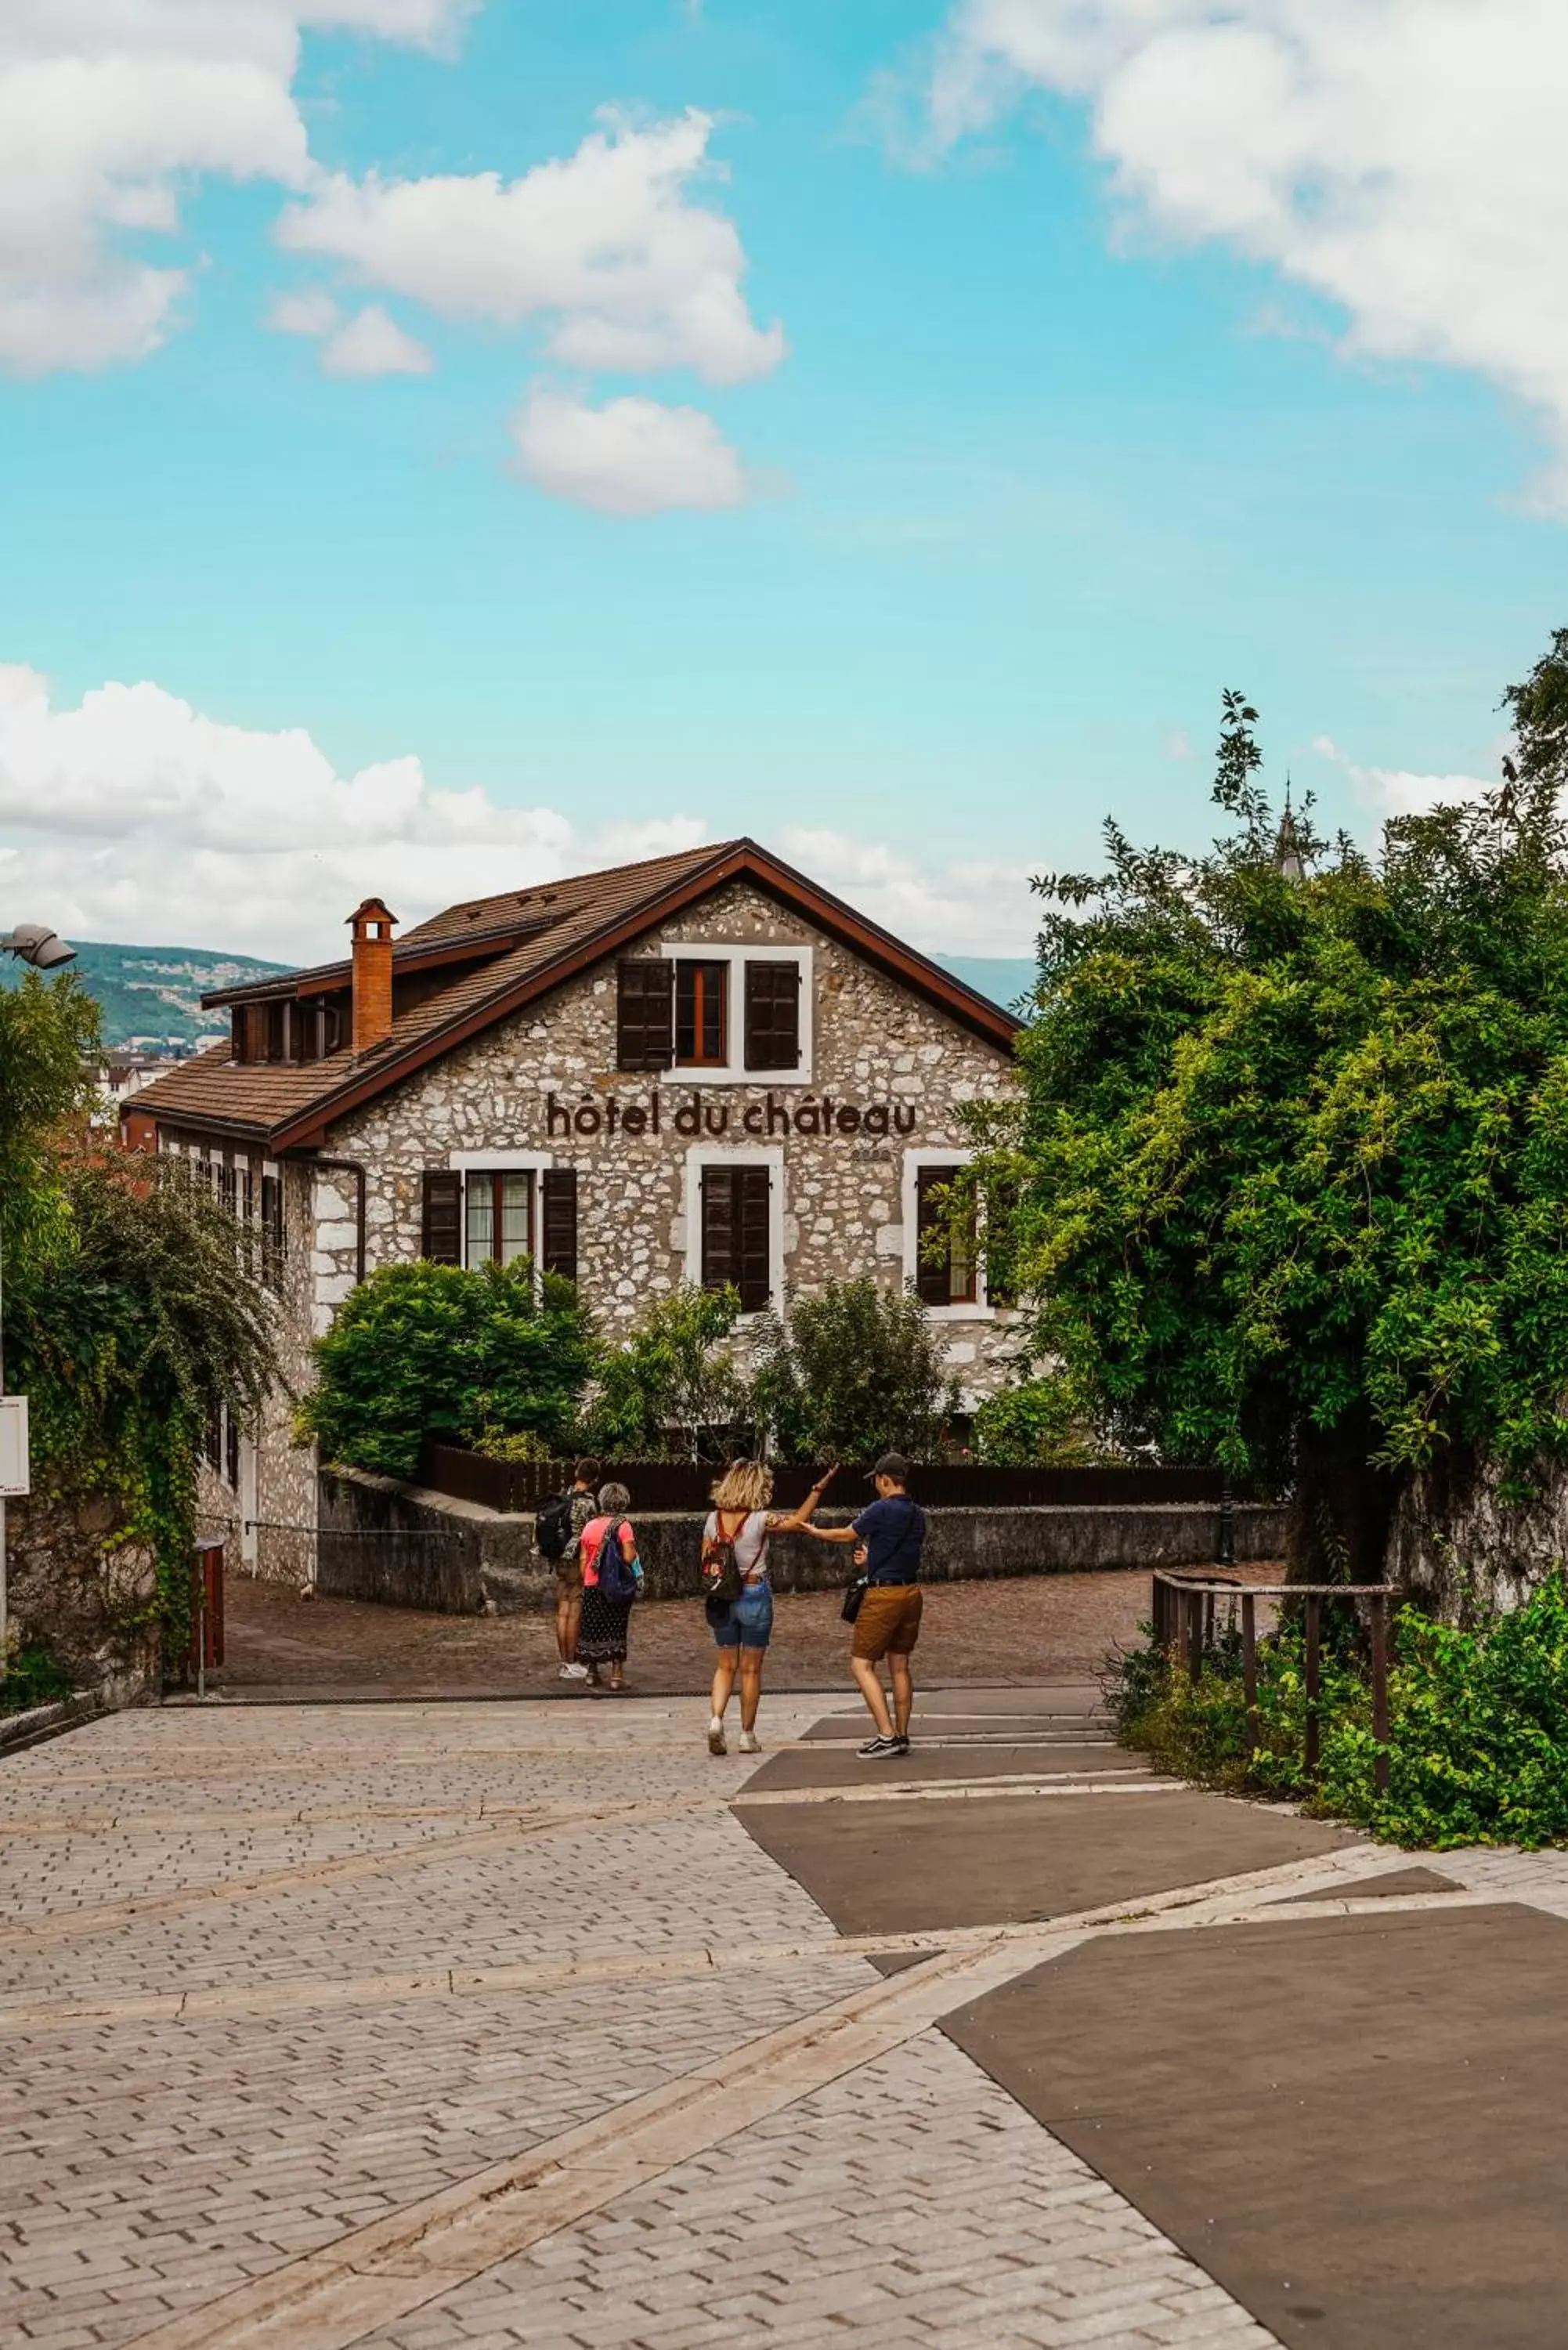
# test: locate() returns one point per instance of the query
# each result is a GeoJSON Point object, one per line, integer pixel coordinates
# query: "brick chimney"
{"type": "Point", "coordinates": [372, 928]}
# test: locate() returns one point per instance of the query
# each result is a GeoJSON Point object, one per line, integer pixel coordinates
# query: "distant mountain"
{"type": "Point", "coordinates": [1004, 978]}
{"type": "Point", "coordinates": [151, 996]}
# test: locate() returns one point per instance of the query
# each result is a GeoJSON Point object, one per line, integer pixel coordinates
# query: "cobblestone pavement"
{"type": "Point", "coordinates": [1016, 1631]}
{"type": "Point", "coordinates": [465, 2025]}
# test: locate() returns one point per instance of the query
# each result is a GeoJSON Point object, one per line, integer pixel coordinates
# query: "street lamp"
{"type": "Point", "coordinates": [36, 943]}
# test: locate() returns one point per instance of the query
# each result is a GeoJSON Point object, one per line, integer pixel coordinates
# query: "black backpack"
{"type": "Point", "coordinates": [553, 1525]}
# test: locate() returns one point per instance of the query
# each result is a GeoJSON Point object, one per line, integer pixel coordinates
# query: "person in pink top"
{"type": "Point", "coordinates": [612, 1579]}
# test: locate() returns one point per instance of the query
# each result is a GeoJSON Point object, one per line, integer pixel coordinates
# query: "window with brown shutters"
{"type": "Point", "coordinates": [645, 1014]}
{"type": "Point", "coordinates": [946, 1262]}
{"type": "Point", "coordinates": [772, 1015]}
{"type": "Point", "coordinates": [737, 1204]}
{"type": "Point", "coordinates": [442, 1236]}
{"type": "Point", "coordinates": [702, 1014]}
{"type": "Point", "coordinates": [558, 1215]}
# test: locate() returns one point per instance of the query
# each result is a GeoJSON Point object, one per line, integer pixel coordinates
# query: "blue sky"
{"type": "Point", "coordinates": [1056, 448]}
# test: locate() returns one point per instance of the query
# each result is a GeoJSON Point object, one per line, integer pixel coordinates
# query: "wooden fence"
{"type": "Point", "coordinates": [519, 1486]}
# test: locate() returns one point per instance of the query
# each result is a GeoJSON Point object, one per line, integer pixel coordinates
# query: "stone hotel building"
{"type": "Point", "coordinates": [704, 1068]}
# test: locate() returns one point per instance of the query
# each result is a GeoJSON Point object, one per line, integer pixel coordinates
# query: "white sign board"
{"type": "Point", "coordinates": [14, 1478]}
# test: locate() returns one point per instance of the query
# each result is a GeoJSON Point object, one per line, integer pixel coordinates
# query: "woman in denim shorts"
{"type": "Point", "coordinates": [740, 1516]}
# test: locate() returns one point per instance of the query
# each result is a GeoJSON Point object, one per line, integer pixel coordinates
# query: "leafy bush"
{"type": "Point", "coordinates": [522, 1444]}
{"type": "Point", "coordinates": [853, 1371]}
{"type": "Point", "coordinates": [674, 1387]}
{"type": "Point", "coordinates": [31, 1678]}
{"type": "Point", "coordinates": [428, 1350]}
{"type": "Point", "coordinates": [1041, 1422]}
{"type": "Point", "coordinates": [1477, 1726]}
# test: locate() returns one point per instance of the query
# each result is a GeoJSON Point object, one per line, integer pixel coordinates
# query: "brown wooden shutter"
{"type": "Point", "coordinates": [646, 1014]}
{"type": "Point", "coordinates": [753, 1186]}
{"type": "Point", "coordinates": [933, 1273]}
{"type": "Point", "coordinates": [442, 1234]}
{"type": "Point", "coordinates": [772, 1015]}
{"type": "Point", "coordinates": [558, 1196]}
{"type": "Point", "coordinates": [718, 1227]}
{"type": "Point", "coordinates": [735, 1227]}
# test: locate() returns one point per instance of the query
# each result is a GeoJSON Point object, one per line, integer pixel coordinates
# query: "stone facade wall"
{"type": "Point", "coordinates": [267, 1520]}
{"type": "Point", "coordinates": [76, 1587]}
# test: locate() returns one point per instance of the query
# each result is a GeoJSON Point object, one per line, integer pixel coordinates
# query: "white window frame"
{"type": "Point", "coordinates": [700, 1155]}
{"type": "Point", "coordinates": [953, 1155]}
{"type": "Point", "coordinates": [733, 1071]}
{"type": "Point", "coordinates": [503, 1162]}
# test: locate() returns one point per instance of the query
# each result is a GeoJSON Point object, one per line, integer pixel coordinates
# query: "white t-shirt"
{"type": "Point", "coordinates": [751, 1542]}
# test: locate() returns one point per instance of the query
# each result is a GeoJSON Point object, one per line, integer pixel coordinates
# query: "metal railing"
{"type": "Point", "coordinates": [1184, 1617]}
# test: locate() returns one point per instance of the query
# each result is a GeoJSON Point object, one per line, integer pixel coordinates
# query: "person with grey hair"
{"type": "Point", "coordinates": [612, 1579]}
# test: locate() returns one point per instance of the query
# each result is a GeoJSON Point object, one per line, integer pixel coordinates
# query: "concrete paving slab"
{"type": "Point", "coordinates": [1368, 1888]}
{"type": "Point", "coordinates": [897, 1866]}
{"type": "Point", "coordinates": [838, 1765]}
{"type": "Point", "coordinates": [1359, 2128]}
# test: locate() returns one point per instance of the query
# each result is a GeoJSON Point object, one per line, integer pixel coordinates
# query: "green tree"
{"type": "Point", "coordinates": [853, 1372]}
{"type": "Point", "coordinates": [433, 1351]}
{"type": "Point", "coordinates": [130, 1313]}
{"type": "Point", "coordinates": [1289, 1180]}
{"type": "Point", "coordinates": [673, 1391]}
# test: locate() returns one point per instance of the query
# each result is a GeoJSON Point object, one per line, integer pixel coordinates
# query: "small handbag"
{"type": "Point", "coordinates": [852, 1599]}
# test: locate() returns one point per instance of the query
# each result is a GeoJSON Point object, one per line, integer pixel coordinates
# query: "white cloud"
{"type": "Point", "coordinates": [605, 244]}
{"type": "Point", "coordinates": [982, 907]}
{"type": "Point", "coordinates": [630, 457]}
{"type": "Point", "coordinates": [374, 344]}
{"type": "Point", "coordinates": [1403, 158]}
{"type": "Point", "coordinates": [132, 816]}
{"type": "Point", "coordinates": [1400, 791]}
{"type": "Point", "coordinates": [310, 311]}
{"type": "Point", "coordinates": [106, 109]}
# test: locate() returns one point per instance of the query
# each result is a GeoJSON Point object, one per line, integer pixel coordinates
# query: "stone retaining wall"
{"type": "Point", "coordinates": [409, 1547]}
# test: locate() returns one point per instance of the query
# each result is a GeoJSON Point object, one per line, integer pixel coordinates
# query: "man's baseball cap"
{"type": "Point", "coordinates": [894, 1465]}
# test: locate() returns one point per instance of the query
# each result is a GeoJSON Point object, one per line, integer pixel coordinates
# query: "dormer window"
{"type": "Point", "coordinates": [727, 1014]}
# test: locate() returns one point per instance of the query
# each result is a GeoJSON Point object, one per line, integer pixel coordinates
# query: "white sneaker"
{"type": "Point", "coordinates": [574, 1672]}
{"type": "Point", "coordinates": [749, 1743]}
{"type": "Point", "coordinates": [565, 1673]}
{"type": "Point", "coordinates": [716, 1737]}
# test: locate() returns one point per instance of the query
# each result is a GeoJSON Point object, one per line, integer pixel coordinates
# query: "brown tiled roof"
{"type": "Point", "coordinates": [591, 914]}
{"type": "Point", "coordinates": [483, 925]}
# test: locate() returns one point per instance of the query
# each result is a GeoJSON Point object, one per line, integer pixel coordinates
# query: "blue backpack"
{"type": "Point", "coordinates": [616, 1580]}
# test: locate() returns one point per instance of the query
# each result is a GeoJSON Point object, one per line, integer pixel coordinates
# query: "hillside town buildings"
{"type": "Point", "coordinates": [704, 1068]}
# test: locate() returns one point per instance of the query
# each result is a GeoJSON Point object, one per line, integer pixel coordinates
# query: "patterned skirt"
{"type": "Point", "coordinates": [601, 1637]}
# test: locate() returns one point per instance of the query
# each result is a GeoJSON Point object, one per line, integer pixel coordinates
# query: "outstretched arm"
{"type": "Point", "coordinates": [798, 1521]}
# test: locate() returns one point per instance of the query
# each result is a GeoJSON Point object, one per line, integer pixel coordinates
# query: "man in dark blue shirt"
{"type": "Point", "coordinates": [892, 1532]}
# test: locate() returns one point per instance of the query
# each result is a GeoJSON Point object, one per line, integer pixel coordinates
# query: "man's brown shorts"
{"type": "Point", "coordinates": [889, 1624]}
